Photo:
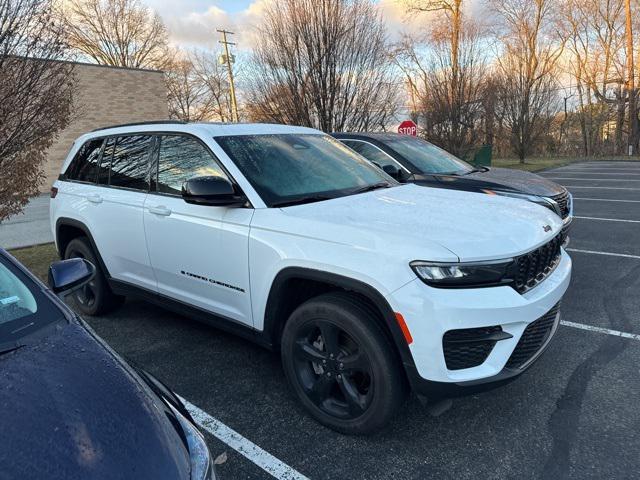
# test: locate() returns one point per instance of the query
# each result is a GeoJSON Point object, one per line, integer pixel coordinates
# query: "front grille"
{"type": "Point", "coordinates": [533, 267]}
{"type": "Point", "coordinates": [468, 347]}
{"type": "Point", "coordinates": [533, 338]}
{"type": "Point", "coordinates": [563, 202]}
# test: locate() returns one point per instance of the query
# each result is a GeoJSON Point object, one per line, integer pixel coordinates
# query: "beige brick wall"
{"type": "Point", "coordinates": [107, 96]}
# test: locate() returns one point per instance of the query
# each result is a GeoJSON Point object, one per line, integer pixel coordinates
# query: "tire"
{"type": "Point", "coordinates": [95, 298]}
{"type": "Point", "coordinates": [341, 365]}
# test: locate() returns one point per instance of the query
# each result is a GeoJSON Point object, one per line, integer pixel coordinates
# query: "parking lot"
{"type": "Point", "coordinates": [574, 414]}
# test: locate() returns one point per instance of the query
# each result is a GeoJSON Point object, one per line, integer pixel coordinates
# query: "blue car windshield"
{"type": "Point", "coordinates": [286, 169]}
{"type": "Point", "coordinates": [24, 308]}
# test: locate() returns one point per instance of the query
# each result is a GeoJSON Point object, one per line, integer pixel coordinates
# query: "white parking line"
{"type": "Point", "coordinates": [242, 445]}
{"type": "Point", "coordinates": [603, 188]}
{"type": "Point", "coordinates": [610, 254]}
{"type": "Point", "coordinates": [606, 200]}
{"type": "Point", "coordinates": [607, 219]}
{"type": "Point", "coordinates": [607, 331]}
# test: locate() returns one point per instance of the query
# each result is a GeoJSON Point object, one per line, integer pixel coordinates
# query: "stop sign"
{"type": "Point", "coordinates": [408, 128]}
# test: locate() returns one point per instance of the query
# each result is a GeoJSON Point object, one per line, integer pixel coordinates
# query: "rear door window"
{"type": "Point", "coordinates": [84, 167]}
{"type": "Point", "coordinates": [130, 162]}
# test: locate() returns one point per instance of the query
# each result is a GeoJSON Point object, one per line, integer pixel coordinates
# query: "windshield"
{"type": "Point", "coordinates": [426, 157]}
{"type": "Point", "coordinates": [296, 168]}
{"type": "Point", "coordinates": [24, 308]}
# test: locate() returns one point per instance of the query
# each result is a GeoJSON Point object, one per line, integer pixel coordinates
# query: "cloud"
{"type": "Point", "coordinates": [193, 23]}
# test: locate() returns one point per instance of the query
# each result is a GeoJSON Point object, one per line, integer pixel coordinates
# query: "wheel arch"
{"type": "Point", "coordinates": [284, 296]}
{"type": "Point", "coordinates": [69, 228]}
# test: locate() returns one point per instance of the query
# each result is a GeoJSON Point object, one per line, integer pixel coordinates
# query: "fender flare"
{"type": "Point", "coordinates": [272, 323]}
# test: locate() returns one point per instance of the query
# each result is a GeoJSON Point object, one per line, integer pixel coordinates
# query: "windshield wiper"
{"type": "Point", "coordinates": [10, 349]}
{"type": "Point", "coordinates": [301, 200]}
{"type": "Point", "coordinates": [374, 186]}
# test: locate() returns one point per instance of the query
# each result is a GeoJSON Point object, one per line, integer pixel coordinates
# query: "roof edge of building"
{"type": "Point", "coordinates": [89, 64]}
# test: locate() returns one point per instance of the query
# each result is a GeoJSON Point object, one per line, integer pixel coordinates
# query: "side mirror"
{"type": "Point", "coordinates": [211, 191]}
{"type": "Point", "coordinates": [67, 276]}
{"type": "Point", "coordinates": [391, 170]}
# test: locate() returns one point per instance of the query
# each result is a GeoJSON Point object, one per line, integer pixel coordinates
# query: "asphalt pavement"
{"type": "Point", "coordinates": [574, 414]}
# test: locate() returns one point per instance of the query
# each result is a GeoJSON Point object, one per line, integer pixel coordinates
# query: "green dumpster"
{"type": "Point", "coordinates": [482, 157]}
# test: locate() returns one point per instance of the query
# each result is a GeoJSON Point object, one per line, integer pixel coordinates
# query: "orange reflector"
{"type": "Point", "coordinates": [489, 192]}
{"type": "Point", "coordinates": [404, 328]}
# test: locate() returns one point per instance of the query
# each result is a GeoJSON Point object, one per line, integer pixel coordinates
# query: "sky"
{"type": "Point", "coordinates": [193, 23]}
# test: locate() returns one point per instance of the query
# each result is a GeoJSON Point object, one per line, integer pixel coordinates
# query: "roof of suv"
{"type": "Point", "coordinates": [214, 129]}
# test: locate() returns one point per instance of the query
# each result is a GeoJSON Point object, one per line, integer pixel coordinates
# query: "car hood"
{"type": "Point", "coordinates": [507, 179]}
{"type": "Point", "coordinates": [425, 223]}
{"type": "Point", "coordinates": [70, 409]}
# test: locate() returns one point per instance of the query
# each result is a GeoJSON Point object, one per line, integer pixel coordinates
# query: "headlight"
{"type": "Point", "coordinates": [199, 455]}
{"type": "Point", "coordinates": [467, 275]}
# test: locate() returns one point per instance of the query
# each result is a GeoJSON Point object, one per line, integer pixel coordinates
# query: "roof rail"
{"type": "Point", "coordinates": [135, 124]}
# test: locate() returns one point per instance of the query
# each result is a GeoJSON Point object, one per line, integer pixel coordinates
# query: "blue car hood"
{"type": "Point", "coordinates": [70, 409]}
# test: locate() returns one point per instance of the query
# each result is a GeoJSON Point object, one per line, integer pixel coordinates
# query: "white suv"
{"type": "Point", "coordinates": [282, 234]}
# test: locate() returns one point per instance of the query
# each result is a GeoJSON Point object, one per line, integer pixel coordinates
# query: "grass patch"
{"type": "Point", "coordinates": [37, 258]}
{"type": "Point", "coordinates": [536, 164]}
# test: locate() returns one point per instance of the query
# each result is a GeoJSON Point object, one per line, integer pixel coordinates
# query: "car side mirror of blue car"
{"type": "Point", "coordinates": [67, 276]}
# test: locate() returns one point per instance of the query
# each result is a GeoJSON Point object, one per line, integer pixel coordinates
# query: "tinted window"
{"type": "Point", "coordinates": [84, 166]}
{"type": "Point", "coordinates": [181, 158]}
{"type": "Point", "coordinates": [371, 152]}
{"type": "Point", "coordinates": [288, 168]}
{"type": "Point", "coordinates": [130, 162]}
{"type": "Point", "coordinates": [426, 156]}
{"type": "Point", "coordinates": [105, 163]}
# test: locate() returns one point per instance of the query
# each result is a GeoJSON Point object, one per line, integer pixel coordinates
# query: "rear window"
{"type": "Point", "coordinates": [84, 166]}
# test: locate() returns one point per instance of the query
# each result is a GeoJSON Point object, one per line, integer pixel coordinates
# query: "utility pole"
{"type": "Point", "coordinates": [232, 89]}
{"type": "Point", "coordinates": [631, 87]}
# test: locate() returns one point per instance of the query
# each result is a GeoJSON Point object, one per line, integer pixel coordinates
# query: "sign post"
{"type": "Point", "coordinates": [408, 127]}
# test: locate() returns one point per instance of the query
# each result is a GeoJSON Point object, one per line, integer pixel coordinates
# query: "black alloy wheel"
{"type": "Point", "coordinates": [333, 370]}
{"type": "Point", "coordinates": [341, 365]}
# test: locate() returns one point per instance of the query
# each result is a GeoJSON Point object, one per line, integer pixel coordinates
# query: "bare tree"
{"type": "Point", "coordinates": [322, 63]}
{"type": "Point", "coordinates": [452, 10]}
{"type": "Point", "coordinates": [214, 77]}
{"type": "Point", "coordinates": [122, 33]}
{"type": "Point", "coordinates": [594, 33]}
{"type": "Point", "coordinates": [449, 88]}
{"type": "Point", "coordinates": [527, 65]}
{"type": "Point", "coordinates": [197, 87]}
{"type": "Point", "coordinates": [35, 96]}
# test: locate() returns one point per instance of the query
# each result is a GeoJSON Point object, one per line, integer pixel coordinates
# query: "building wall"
{"type": "Point", "coordinates": [107, 96]}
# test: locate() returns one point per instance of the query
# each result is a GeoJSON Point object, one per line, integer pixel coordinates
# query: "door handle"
{"type": "Point", "coordinates": [160, 210]}
{"type": "Point", "coordinates": [94, 198]}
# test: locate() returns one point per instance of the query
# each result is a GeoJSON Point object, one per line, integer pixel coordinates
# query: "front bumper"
{"type": "Point", "coordinates": [430, 312]}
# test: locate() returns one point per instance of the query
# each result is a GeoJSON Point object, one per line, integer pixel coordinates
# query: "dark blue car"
{"type": "Point", "coordinates": [70, 407]}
